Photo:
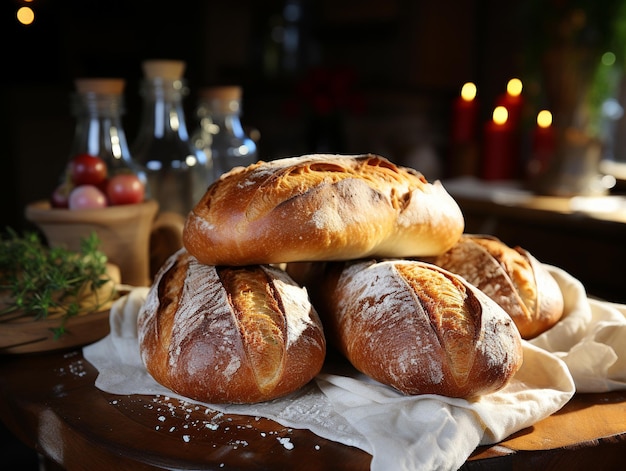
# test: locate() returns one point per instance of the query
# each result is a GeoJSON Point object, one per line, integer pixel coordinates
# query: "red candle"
{"type": "Point", "coordinates": [465, 115]}
{"type": "Point", "coordinates": [499, 161]}
{"type": "Point", "coordinates": [513, 101]}
{"type": "Point", "coordinates": [543, 143]}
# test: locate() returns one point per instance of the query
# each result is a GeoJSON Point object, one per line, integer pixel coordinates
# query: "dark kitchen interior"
{"type": "Point", "coordinates": [402, 63]}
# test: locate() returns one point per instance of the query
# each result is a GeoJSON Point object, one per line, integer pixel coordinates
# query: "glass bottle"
{"type": "Point", "coordinates": [178, 173]}
{"type": "Point", "coordinates": [220, 133]}
{"type": "Point", "coordinates": [98, 106]}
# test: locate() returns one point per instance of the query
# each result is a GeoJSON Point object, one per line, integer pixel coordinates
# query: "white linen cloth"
{"type": "Point", "coordinates": [413, 432]}
{"type": "Point", "coordinates": [590, 339]}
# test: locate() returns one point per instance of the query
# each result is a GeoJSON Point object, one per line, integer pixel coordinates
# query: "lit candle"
{"type": "Point", "coordinates": [499, 162]}
{"type": "Point", "coordinates": [512, 100]}
{"type": "Point", "coordinates": [543, 143]}
{"type": "Point", "coordinates": [465, 114]}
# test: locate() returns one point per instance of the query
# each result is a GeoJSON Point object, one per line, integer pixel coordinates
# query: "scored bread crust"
{"type": "Point", "coordinates": [229, 334]}
{"type": "Point", "coordinates": [418, 328]}
{"type": "Point", "coordinates": [511, 276]}
{"type": "Point", "coordinates": [321, 207]}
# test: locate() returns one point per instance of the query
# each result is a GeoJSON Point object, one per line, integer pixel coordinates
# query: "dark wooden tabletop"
{"type": "Point", "coordinates": [50, 402]}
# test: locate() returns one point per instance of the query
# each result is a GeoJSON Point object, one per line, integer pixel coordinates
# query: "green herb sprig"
{"type": "Point", "coordinates": [38, 280]}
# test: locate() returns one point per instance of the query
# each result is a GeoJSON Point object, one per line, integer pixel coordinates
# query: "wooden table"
{"type": "Point", "coordinates": [49, 401]}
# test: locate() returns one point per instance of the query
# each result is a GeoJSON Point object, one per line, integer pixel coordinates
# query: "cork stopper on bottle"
{"type": "Point", "coordinates": [111, 86]}
{"type": "Point", "coordinates": [163, 68]}
{"type": "Point", "coordinates": [224, 93]}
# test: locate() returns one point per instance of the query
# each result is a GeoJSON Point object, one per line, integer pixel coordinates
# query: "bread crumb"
{"type": "Point", "coordinates": [286, 442]}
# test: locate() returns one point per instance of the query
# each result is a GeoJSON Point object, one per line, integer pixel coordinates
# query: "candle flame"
{"type": "Point", "coordinates": [500, 115]}
{"type": "Point", "coordinates": [468, 91]}
{"type": "Point", "coordinates": [514, 87]}
{"type": "Point", "coordinates": [544, 119]}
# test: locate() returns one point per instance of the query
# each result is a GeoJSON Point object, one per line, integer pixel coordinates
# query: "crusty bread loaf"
{"type": "Point", "coordinates": [321, 207]}
{"type": "Point", "coordinates": [417, 328]}
{"type": "Point", "coordinates": [511, 276]}
{"type": "Point", "coordinates": [229, 334]}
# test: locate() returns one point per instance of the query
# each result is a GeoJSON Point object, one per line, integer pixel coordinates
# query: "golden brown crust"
{"type": "Point", "coordinates": [418, 328]}
{"type": "Point", "coordinates": [511, 276]}
{"type": "Point", "coordinates": [229, 334]}
{"type": "Point", "coordinates": [321, 207]}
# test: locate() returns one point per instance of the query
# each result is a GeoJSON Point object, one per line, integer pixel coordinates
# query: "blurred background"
{"type": "Point", "coordinates": [328, 75]}
{"type": "Point", "coordinates": [341, 76]}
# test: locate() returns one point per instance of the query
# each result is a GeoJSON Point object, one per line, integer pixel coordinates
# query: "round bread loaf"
{"type": "Point", "coordinates": [229, 334]}
{"type": "Point", "coordinates": [419, 328]}
{"type": "Point", "coordinates": [510, 276]}
{"type": "Point", "coordinates": [321, 207]}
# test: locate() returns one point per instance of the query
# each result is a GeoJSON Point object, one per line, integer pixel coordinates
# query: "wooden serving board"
{"type": "Point", "coordinates": [587, 422]}
{"type": "Point", "coordinates": [26, 335]}
{"type": "Point", "coordinates": [51, 402]}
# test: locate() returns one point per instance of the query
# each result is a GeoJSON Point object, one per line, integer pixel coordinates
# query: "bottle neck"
{"type": "Point", "coordinates": [99, 130]}
{"type": "Point", "coordinates": [221, 135]}
{"type": "Point", "coordinates": [220, 116]}
{"type": "Point", "coordinates": [98, 104]}
{"type": "Point", "coordinates": [163, 114]}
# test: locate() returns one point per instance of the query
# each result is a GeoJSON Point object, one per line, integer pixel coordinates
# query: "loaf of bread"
{"type": "Point", "coordinates": [229, 334]}
{"type": "Point", "coordinates": [321, 207]}
{"type": "Point", "coordinates": [511, 276]}
{"type": "Point", "coordinates": [417, 328]}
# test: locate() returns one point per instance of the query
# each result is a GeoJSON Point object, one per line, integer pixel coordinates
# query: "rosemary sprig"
{"type": "Point", "coordinates": [40, 281]}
